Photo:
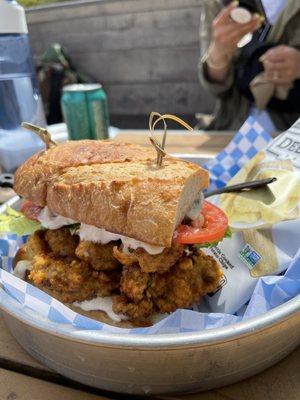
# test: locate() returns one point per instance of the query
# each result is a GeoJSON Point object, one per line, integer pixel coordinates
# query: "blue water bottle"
{"type": "Point", "coordinates": [19, 96]}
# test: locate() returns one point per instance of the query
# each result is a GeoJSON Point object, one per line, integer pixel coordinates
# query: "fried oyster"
{"type": "Point", "coordinates": [180, 287]}
{"type": "Point", "coordinates": [141, 284]}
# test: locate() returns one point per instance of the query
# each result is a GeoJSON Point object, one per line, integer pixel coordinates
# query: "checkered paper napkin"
{"type": "Point", "coordinates": [29, 302]}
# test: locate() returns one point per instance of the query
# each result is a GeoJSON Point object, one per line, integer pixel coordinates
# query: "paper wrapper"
{"type": "Point", "coordinates": [266, 293]}
{"type": "Point", "coordinates": [266, 223]}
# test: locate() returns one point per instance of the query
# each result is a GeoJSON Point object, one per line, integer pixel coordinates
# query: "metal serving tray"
{"type": "Point", "coordinates": [169, 363]}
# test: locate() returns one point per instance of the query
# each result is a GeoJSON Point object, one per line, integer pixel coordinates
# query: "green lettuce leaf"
{"type": "Point", "coordinates": [13, 221]}
{"type": "Point", "coordinates": [228, 234]}
{"type": "Point", "coordinates": [74, 228]}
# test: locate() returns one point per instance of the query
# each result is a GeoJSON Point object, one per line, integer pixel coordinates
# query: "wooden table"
{"type": "Point", "coordinates": [23, 378]}
{"type": "Point", "coordinates": [180, 141]}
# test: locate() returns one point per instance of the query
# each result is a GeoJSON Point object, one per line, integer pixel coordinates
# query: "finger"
{"type": "Point", "coordinates": [235, 36]}
{"type": "Point", "coordinates": [274, 76]}
{"type": "Point", "coordinates": [279, 76]}
{"type": "Point", "coordinates": [275, 58]}
{"type": "Point", "coordinates": [241, 29]}
{"type": "Point", "coordinates": [280, 81]}
{"type": "Point", "coordinates": [253, 25]}
{"type": "Point", "coordinates": [283, 70]}
{"type": "Point", "coordinates": [229, 35]}
{"type": "Point", "coordinates": [224, 15]}
{"type": "Point", "coordinates": [274, 61]}
{"type": "Point", "coordinates": [276, 54]}
{"type": "Point", "coordinates": [276, 67]}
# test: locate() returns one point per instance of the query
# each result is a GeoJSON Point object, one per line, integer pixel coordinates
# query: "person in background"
{"type": "Point", "coordinates": [280, 62]}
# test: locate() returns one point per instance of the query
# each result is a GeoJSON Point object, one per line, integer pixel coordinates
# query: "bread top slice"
{"type": "Point", "coordinates": [33, 177]}
{"type": "Point", "coordinates": [113, 186]}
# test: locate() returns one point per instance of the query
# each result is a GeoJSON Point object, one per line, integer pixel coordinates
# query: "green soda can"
{"type": "Point", "coordinates": [85, 111]}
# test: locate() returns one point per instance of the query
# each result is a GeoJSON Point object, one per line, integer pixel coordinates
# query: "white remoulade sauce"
{"type": "Point", "coordinates": [93, 234]}
{"type": "Point", "coordinates": [51, 220]}
{"type": "Point", "coordinates": [21, 268]}
{"type": "Point", "coordinates": [100, 304]}
{"type": "Point", "coordinates": [98, 235]}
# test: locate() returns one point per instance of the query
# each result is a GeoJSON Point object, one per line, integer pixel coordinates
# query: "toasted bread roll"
{"type": "Point", "coordinates": [113, 186]}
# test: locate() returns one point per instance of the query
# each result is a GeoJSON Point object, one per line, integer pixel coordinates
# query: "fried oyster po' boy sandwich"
{"type": "Point", "coordinates": [114, 234]}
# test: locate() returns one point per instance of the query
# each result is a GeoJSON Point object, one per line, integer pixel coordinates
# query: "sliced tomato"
{"type": "Point", "coordinates": [30, 210]}
{"type": "Point", "coordinates": [213, 229]}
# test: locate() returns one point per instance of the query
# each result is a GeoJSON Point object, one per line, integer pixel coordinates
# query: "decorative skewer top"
{"type": "Point", "coordinates": [154, 119]}
{"type": "Point", "coordinates": [41, 132]}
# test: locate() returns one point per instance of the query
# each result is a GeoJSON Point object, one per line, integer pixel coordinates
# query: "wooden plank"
{"type": "Point", "coordinates": [281, 382]}
{"type": "Point", "coordinates": [211, 395]}
{"type": "Point", "coordinates": [11, 353]}
{"type": "Point", "coordinates": [90, 8]}
{"type": "Point", "coordinates": [14, 386]}
{"type": "Point", "coordinates": [164, 97]}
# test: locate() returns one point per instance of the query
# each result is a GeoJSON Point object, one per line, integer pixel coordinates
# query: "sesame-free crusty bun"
{"type": "Point", "coordinates": [33, 177]}
{"type": "Point", "coordinates": [114, 186]}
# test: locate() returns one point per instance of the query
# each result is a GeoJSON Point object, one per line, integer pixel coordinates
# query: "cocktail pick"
{"type": "Point", "coordinates": [154, 119]}
{"type": "Point", "coordinates": [41, 132]}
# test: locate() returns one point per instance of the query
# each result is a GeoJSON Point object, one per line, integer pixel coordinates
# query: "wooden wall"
{"type": "Point", "coordinates": [145, 52]}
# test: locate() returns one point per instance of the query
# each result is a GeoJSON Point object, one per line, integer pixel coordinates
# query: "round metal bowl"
{"type": "Point", "coordinates": [171, 363]}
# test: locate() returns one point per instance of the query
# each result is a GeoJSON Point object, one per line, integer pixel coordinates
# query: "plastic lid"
{"type": "Point", "coordinates": [82, 87]}
{"type": "Point", "coordinates": [12, 18]}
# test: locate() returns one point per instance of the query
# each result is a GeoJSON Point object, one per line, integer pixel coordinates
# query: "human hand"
{"type": "Point", "coordinates": [226, 33]}
{"type": "Point", "coordinates": [282, 64]}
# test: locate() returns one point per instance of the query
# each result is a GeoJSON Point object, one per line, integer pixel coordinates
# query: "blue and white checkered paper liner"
{"type": "Point", "coordinates": [250, 139]}
{"type": "Point", "coordinates": [269, 292]}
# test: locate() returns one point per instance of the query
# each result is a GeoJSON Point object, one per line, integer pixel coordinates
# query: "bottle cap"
{"type": "Point", "coordinates": [240, 15]}
{"type": "Point", "coordinates": [12, 18]}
